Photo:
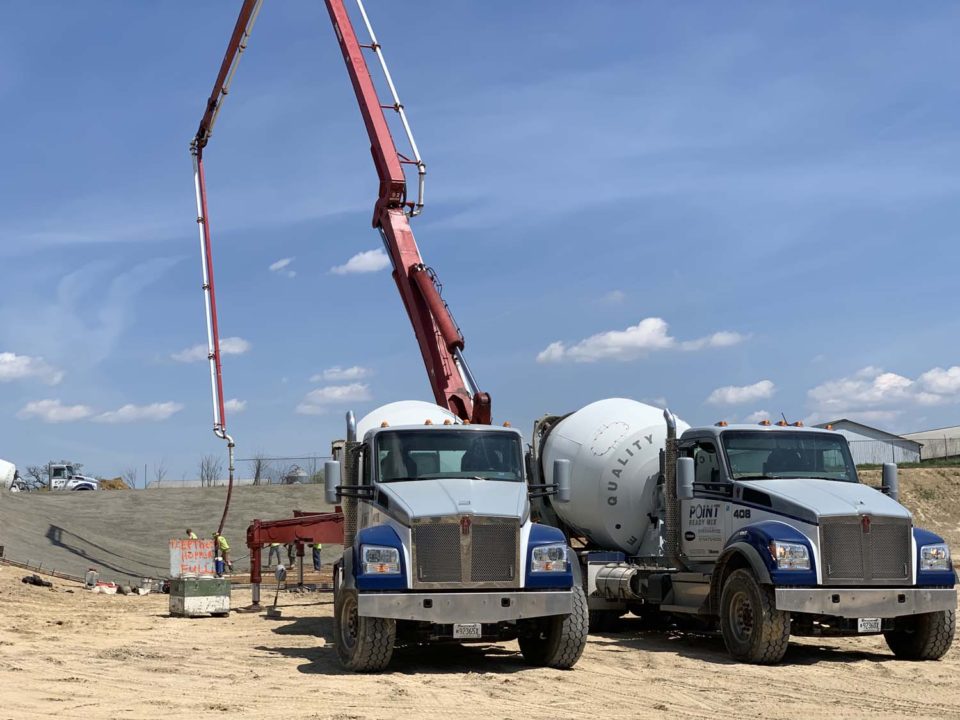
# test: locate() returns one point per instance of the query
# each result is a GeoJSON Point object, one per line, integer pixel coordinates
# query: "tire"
{"type": "Point", "coordinates": [364, 644]}
{"type": "Point", "coordinates": [922, 637]}
{"type": "Point", "coordinates": [754, 631]}
{"type": "Point", "coordinates": [557, 641]}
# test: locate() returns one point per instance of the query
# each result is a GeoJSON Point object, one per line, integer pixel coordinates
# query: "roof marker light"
{"type": "Point", "coordinates": [781, 423]}
{"type": "Point", "coordinates": [447, 422]}
{"type": "Point", "coordinates": [384, 424]}
{"type": "Point", "coordinates": [428, 421]}
{"type": "Point", "coordinates": [765, 423]}
{"type": "Point", "coordinates": [722, 423]}
{"type": "Point", "coordinates": [798, 423]}
{"type": "Point", "coordinates": [507, 424]}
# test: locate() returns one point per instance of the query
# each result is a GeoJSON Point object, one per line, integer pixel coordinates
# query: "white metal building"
{"type": "Point", "coordinates": [938, 443]}
{"type": "Point", "coordinates": [872, 445]}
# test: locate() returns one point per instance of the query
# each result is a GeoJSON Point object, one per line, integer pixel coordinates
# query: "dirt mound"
{"type": "Point", "coordinates": [933, 496]}
{"type": "Point", "coordinates": [124, 534]}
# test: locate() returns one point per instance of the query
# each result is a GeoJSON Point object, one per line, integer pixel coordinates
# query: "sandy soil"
{"type": "Point", "coordinates": [67, 653]}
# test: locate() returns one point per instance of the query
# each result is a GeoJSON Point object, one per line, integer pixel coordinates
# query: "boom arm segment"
{"type": "Point", "coordinates": [441, 342]}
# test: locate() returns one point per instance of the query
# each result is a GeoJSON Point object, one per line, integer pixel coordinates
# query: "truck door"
{"type": "Point", "coordinates": [702, 518]}
{"type": "Point", "coordinates": [58, 477]}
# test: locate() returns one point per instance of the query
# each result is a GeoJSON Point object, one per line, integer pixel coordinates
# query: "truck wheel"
{"type": "Point", "coordinates": [753, 629]}
{"type": "Point", "coordinates": [922, 637]}
{"type": "Point", "coordinates": [557, 641]}
{"type": "Point", "coordinates": [364, 644]}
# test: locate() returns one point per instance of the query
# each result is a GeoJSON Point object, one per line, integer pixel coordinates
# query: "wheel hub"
{"type": "Point", "coordinates": [741, 617]}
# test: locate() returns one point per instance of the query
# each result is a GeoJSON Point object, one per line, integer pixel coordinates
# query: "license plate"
{"type": "Point", "coordinates": [466, 631]}
{"type": "Point", "coordinates": [868, 625]}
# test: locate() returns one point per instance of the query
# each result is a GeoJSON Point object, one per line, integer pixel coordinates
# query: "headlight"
{"type": "Point", "coordinates": [790, 556]}
{"type": "Point", "coordinates": [549, 558]}
{"type": "Point", "coordinates": [379, 560]}
{"type": "Point", "coordinates": [935, 557]}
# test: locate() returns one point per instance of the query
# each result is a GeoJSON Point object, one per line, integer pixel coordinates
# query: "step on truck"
{"type": "Point", "coordinates": [764, 530]}
{"type": "Point", "coordinates": [439, 545]}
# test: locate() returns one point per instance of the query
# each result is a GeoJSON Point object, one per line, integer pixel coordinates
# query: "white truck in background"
{"type": "Point", "coordinates": [63, 476]}
{"type": "Point", "coordinates": [764, 530]}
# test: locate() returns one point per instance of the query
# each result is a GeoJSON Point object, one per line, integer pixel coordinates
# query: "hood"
{"type": "Point", "coordinates": [457, 496]}
{"type": "Point", "coordinates": [829, 497]}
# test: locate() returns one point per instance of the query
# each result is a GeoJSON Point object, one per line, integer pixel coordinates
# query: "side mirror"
{"type": "Point", "coordinates": [685, 474]}
{"type": "Point", "coordinates": [331, 481]}
{"type": "Point", "coordinates": [562, 472]}
{"type": "Point", "coordinates": [890, 483]}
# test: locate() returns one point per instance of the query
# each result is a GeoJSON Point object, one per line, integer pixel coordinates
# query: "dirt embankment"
{"type": "Point", "coordinates": [124, 534]}
{"type": "Point", "coordinates": [933, 496]}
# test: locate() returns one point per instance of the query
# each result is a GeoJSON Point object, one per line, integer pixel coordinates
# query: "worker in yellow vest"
{"type": "Point", "coordinates": [317, 547]}
{"type": "Point", "coordinates": [191, 535]}
{"type": "Point", "coordinates": [222, 548]}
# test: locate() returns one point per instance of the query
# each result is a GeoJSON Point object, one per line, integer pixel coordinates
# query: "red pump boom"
{"type": "Point", "coordinates": [441, 342]}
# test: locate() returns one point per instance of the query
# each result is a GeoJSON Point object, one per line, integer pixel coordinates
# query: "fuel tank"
{"type": "Point", "coordinates": [613, 446]}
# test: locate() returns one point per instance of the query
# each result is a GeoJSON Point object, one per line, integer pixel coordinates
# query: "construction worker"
{"type": "Point", "coordinates": [222, 547]}
{"type": "Point", "coordinates": [191, 535]}
{"type": "Point", "coordinates": [291, 553]}
{"type": "Point", "coordinates": [274, 550]}
{"type": "Point", "coordinates": [317, 547]}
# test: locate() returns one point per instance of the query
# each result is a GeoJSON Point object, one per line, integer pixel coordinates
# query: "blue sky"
{"type": "Point", "coordinates": [739, 212]}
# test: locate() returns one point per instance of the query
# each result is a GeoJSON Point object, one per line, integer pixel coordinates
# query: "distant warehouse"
{"type": "Point", "coordinates": [870, 445]}
{"type": "Point", "coordinates": [938, 443]}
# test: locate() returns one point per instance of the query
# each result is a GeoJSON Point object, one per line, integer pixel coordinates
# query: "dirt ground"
{"type": "Point", "coordinates": [67, 653]}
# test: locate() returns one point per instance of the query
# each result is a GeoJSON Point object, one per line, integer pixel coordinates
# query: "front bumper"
{"type": "Point", "coordinates": [476, 607]}
{"type": "Point", "coordinates": [866, 602]}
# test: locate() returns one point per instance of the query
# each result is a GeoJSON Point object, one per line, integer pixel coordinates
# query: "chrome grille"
{"type": "Point", "coordinates": [493, 551]}
{"type": "Point", "coordinates": [891, 550]}
{"type": "Point", "coordinates": [853, 555]}
{"type": "Point", "coordinates": [466, 551]}
{"type": "Point", "coordinates": [844, 551]}
{"type": "Point", "coordinates": [433, 543]}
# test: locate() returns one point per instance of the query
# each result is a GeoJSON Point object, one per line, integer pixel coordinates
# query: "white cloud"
{"type": "Point", "coordinates": [23, 367]}
{"type": "Point", "coordinates": [649, 335]}
{"type": "Point", "coordinates": [316, 402]}
{"type": "Point", "coordinates": [365, 262]}
{"type": "Point", "coordinates": [340, 374]}
{"type": "Point", "coordinates": [53, 411]}
{"type": "Point", "coordinates": [757, 416]}
{"type": "Point", "coordinates": [736, 394]}
{"type": "Point", "coordinates": [871, 394]}
{"type": "Point", "coordinates": [228, 346]}
{"type": "Point", "coordinates": [154, 412]}
{"type": "Point", "coordinates": [235, 406]}
{"type": "Point", "coordinates": [940, 381]}
{"type": "Point", "coordinates": [280, 267]}
{"type": "Point", "coordinates": [868, 387]}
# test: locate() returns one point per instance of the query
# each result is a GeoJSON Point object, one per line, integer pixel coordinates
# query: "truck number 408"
{"type": "Point", "coordinates": [743, 513]}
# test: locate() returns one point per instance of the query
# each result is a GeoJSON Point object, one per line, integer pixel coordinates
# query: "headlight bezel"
{"type": "Point", "coordinates": [552, 558]}
{"type": "Point", "coordinates": [386, 560]}
{"type": "Point", "coordinates": [792, 556]}
{"type": "Point", "coordinates": [935, 557]}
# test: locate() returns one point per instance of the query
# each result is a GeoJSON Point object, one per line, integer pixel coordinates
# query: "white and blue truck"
{"type": "Point", "coordinates": [439, 544]}
{"type": "Point", "coordinates": [764, 530]}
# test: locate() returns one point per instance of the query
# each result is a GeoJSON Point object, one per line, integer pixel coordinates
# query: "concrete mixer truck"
{"type": "Point", "coordinates": [763, 529]}
{"type": "Point", "coordinates": [439, 545]}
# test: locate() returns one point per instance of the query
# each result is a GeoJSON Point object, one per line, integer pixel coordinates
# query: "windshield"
{"type": "Point", "coordinates": [766, 455]}
{"type": "Point", "coordinates": [426, 454]}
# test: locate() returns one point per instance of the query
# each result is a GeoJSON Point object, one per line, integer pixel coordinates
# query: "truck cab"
{"type": "Point", "coordinates": [64, 477]}
{"type": "Point", "coordinates": [439, 546]}
{"type": "Point", "coordinates": [776, 518]}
